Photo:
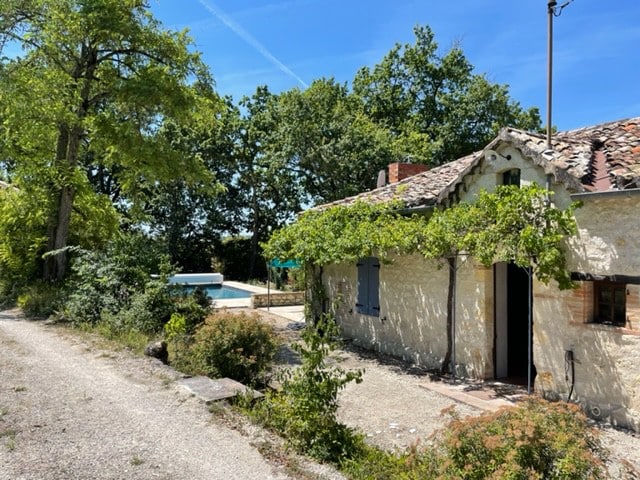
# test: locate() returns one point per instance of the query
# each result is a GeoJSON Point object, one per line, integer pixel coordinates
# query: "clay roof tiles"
{"type": "Point", "coordinates": [599, 158]}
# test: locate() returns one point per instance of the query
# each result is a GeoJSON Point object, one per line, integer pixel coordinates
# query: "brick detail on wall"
{"type": "Point", "coordinates": [633, 307]}
{"type": "Point", "coordinates": [581, 303]}
{"type": "Point", "coordinates": [399, 171]}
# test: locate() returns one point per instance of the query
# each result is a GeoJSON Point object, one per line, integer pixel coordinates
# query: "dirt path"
{"type": "Point", "coordinates": [71, 411]}
{"type": "Point", "coordinates": [67, 412]}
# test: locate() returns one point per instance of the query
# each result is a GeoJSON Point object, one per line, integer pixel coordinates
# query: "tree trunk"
{"type": "Point", "coordinates": [451, 261]}
{"type": "Point", "coordinates": [67, 157]}
{"type": "Point", "coordinates": [315, 294]}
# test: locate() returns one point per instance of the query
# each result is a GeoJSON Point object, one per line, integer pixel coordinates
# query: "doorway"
{"type": "Point", "coordinates": [512, 309]}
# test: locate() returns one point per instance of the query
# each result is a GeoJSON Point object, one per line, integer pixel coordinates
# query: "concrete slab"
{"type": "Point", "coordinates": [294, 312]}
{"type": "Point", "coordinates": [456, 392]}
{"type": "Point", "coordinates": [212, 390]}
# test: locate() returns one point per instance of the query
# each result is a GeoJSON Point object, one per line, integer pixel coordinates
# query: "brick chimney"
{"type": "Point", "coordinates": [399, 171]}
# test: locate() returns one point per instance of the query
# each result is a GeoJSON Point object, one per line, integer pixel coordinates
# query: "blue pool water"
{"type": "Point", "coordinates": [221, 292]}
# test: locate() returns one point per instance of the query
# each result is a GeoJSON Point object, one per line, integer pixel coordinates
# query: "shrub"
{"type": "Point", "coordinates": [115, 285]}
{"type": "Point", "coordinates": [537, 439]}
{"type": "Point", "coordinates": [193, 307]}
{"type": "Point", "coordinates": [304, 411]}
{"type": "Point", "coordinates": [175, 327]}
{"type": "Point", "coordinates": [40, 299]}
{"type": "Point", "coordinates": [228, 344]}
{"type": "Point", "coordinates": [146, 311]}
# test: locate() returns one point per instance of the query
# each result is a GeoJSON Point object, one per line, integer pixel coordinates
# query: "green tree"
{"type": "Point", "coordinates": [264, 186]}
{"type": "Point", "coordinates": [434, 104]}
{"type": "Point", "coordinates": [328, 140]}
{"type": "Point", "coordinates": [95, 81]}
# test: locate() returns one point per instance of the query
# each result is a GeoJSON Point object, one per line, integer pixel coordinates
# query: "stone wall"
{"type": "Point", "coordinates": [413, 312]}
{"type": "Point", "coordinates": [276, 299]}
{"type": "Point", "coordinates": [606, 357]}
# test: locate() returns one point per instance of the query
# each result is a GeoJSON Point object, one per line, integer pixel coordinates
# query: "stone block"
{"type": "Point", "coordinates": [212, 390]}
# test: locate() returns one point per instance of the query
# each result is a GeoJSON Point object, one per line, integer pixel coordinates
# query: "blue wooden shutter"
{"type": "Point", "coordinates": [368, 302]}
{"type": "Point", "coordinates": [362, 302]}
{"type": "Point", "coordinates": [374, 287]}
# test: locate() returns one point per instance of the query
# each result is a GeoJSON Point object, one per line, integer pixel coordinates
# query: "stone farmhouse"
{"type": "Point", "coordinates": [585, 341]}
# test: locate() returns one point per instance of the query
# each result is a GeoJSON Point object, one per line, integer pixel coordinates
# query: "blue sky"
{"type": "Point", "coordinates": [289, 43]}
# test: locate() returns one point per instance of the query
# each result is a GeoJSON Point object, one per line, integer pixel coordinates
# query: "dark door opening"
{"type": "Point", "coordinates": [511, 342]}
{"type": "Point", "coordinates": [517, 322]}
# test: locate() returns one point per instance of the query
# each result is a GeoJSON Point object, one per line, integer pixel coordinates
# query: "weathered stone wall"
{"type": "Point", "coordinates": [413, 312]}
{"type": "Point", "coordinates": [276, 299]}
{"type": "Point", "coordinates": [606, 358]}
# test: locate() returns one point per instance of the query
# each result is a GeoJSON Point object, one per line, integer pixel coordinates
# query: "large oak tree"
{"type": "Point", "coordinates": [91, 86]}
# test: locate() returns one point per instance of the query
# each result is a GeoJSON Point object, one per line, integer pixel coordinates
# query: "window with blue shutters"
{"type": "Point", "coordinates": [368, 302]}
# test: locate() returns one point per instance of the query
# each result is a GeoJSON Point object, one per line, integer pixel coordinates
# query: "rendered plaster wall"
{"type": "Point", "coordinates": [510, 158]}
{"type": "Point", "coordinates": [413, 313]}
{"type": "Point", "coordinates": [606, 358]}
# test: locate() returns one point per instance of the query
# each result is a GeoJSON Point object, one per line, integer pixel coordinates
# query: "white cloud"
{"type": "Point", "coordinates": [250, 39]}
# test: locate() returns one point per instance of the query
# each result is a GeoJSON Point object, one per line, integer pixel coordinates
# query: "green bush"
{"type": "Point", "coordinates": [535, 440]}
{"type": "Point", "coordinates": [232, 345]}
{"type": "Point", "coordinates": [194, 307]}
{"type": "Point", "coordinates": [116, 286]}
{"type": "Point", "coordinates": [40, 299]}
{"type": "Point", "coordinates": [304, 411]}
{"type": "Point", "coordinates": [146, 311]}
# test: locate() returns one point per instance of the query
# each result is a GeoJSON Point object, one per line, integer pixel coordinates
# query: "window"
{"type": "Point", "coordinates": [368, 302]}
{"type": "Point", "coordinates": [610, 303]}
{"type": "Point", "coordinates": [511, 177]}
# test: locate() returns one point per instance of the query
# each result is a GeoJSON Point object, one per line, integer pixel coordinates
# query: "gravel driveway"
{"type": "Point", "coordinates": [67, 412]}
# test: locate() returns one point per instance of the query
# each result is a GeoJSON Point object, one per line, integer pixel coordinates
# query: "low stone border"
{"type": "Point", "coordinates": [277, 299]}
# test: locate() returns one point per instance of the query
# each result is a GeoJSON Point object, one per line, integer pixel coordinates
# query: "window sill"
{"type": "Point", "coordinates": [606, 328]}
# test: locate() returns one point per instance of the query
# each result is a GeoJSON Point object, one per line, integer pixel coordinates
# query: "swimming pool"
{"type": "Point", "coordinates": [220, 292]}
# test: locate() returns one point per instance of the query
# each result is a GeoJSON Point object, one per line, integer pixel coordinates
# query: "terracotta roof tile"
{"type": "Point", "coordinates": [422, 189]}
{"type": "Point", "coordinates": [603, 157]}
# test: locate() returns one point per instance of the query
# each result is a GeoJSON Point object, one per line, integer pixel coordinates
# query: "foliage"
{"type": "Point", "coordinates": [534, 440]}
{"type": "Point", "coordinates": [145, 311]}
{"type": "Point", "coordinates": [190, 311]}
{"type": "Point", "coordinates": [40, 299]}
{"type": "Point", "coordinates": [325, 136]}
{"type": "Point", "coordinates": [22, 239]}
{"type": "Point", "coordinates": [227, 344]}
{"type": "Point", "coordinates": [434, 104]}
{"type": "Point", "coordinates": [537, 439]}
{"type": "Point", "coordinates": [510, 224]}
{"type": "Point", "coordinates": [304, 411]}
{"type": "Point", "coordinates": [118, 279]}
{"type": "Point", "coordinates": [233, 255]}
{"type": "Point", "coordinates": [346, 233]}
{"type": "Point", "coordinates": [175, 327]}
{"type": "Point", "coordinates": [83, 103]}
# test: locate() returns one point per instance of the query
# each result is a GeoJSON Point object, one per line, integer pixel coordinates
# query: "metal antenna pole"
{"type": "Point", "coordinates": [530, 335]}
{"type": "Point", "coordinates": [551, 12]}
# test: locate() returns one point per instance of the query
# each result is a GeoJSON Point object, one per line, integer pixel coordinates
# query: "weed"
{"type": "Point", "coordinates": [20, 388]}
{"type": "Point", "coordinates": [10, 438]}
{"type": "Point", "coordinates": [304, 412]}
{"type": "Point", "coordinates": [136, 461]}
{"type": "Point", "coordinates": [10, 444]}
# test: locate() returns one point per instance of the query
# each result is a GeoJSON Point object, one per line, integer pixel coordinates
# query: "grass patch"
{"type": "Point", "coordinates": [9, 436]}
{"type": "Point", "coordinates": [116, 339]}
